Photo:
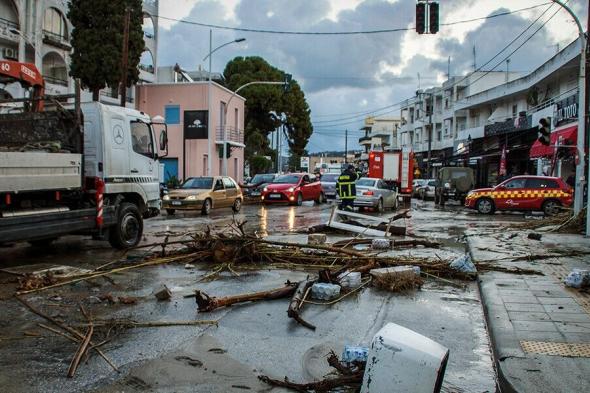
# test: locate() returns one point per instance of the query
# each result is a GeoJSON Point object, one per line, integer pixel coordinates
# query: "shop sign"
{"type": "Point", "coordinates": [566, 111]}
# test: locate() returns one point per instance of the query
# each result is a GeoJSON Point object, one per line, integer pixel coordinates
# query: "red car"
{"type": "Point", "coordinates": [293, 188]}
{"type": "Point", "coordinates": [527, 193]}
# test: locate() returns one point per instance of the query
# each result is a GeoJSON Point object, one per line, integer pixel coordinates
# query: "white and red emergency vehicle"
{"type": "Point", "coordinates": [396, 166]}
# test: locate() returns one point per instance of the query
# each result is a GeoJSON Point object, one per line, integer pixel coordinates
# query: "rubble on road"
{"type": "Point", "coordinates": [162, 293]}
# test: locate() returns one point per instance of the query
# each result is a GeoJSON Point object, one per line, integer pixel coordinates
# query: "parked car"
{"type": "Point", "coordinates": [427, 189]}
{"type": "Point", "coordinates": [328, 181]}
{"type": "Point", "coordinates": [453, 183]}
{"type": "Point", "coordinates": [528, 193]}
{"type": "Point", "coordinates": [416, 184]}
{"type": "Point", "coordinates": [375, 193]}
{"type": "Point", "coordinates": [255, 186]}
{"type": "Point", "coordinates": [293, 188]}
{"type": "Point", "coordinates": [204, 194]}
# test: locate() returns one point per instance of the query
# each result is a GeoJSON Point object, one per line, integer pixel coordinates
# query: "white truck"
{"type": "Point", "coordinates": [92, 170]}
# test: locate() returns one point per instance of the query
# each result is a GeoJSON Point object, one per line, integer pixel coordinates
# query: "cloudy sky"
{"type": "Point", "coordinates": [346, 77]}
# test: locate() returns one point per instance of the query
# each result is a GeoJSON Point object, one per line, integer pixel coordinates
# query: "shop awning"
{"type": "Point", "coordinates": [565, 136]}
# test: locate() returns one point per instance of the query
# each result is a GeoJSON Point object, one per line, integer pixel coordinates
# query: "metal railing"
{"type": "Point", "coordinates": [55, 37]}
{"type": "Point", "coordinates": [147, 68]}
{"type": "Point", "coordinates": [8, 24]}
{"type": "Point", "coordinates": [233, 134]}
{"type": "Point", "coordinates": [55, 80]}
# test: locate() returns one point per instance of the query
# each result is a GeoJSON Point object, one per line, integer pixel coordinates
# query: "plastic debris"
{"type": "Point", "coordinates": [354, 353]}
{"type": "Point", "coordinates": [324, 291]}
{"type": "Point", "coordinates": [464, 264]}
{"type": "Point", "coordinates": [350, 280]}
{"type": "Point", "coordinates": [315, 239]}
{"type": "Point", "coordinates": [380, 244]}
{"type": "Point", "coordinates": [578, 278]}
{"type": "Point", "coordinates": [395, 270]}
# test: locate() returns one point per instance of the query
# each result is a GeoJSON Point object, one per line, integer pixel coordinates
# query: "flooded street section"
{"type": "Point", "coordinates": [250, 339]}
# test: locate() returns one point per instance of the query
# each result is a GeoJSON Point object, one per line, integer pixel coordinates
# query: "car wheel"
{"type": "Point", "coordinates": [206, 209]}
{"type": "Point", "coordinates": [380, 206]}
{"type": "Point", "coordinates": [395, 204]}
{"type": "Point", "coordinates": [321, 199]}
{"type": "Point", "coordinates": [485, 206]}
{"type": "Point", "coordinates": [237, 205]}
{"type": "Point", "coordinates": [170, 212]}
{"type": "Point", "coordinates": [551, 207]}
{"type": "Point", "coordinates": [127, 231]}
{"type": "Point", "coordinates": [299, 199]}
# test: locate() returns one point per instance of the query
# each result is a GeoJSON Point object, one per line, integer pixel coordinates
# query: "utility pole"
{"type": "Point", "coordinates": [123, 89]}
{"type": "Point", "coordinates": [346, 146]}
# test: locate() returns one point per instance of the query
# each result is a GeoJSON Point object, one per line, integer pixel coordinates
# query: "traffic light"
{"type": "Point", "coordinates": [544, 132]}
{"type": "Point", "coordinates": [421, 18]}
{"type": "Point", "coordinates": [287, 85]}
{"type": "Point", "coordinates": [433, 17]}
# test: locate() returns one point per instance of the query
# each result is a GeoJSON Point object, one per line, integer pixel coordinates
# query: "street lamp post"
{"type": "Point", "coordinates": [225, 116]}
{"type": "Point", "coordinates": [209, 84]}
{"type": "Point", "coordinates": [579, 189]}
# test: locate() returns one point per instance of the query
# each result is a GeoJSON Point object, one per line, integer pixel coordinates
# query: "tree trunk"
{"type": "Point", "coordinates": [95, 94]}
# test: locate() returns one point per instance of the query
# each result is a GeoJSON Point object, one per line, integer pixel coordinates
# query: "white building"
{"type": "Point", "coordinates": [381, 133]}
{"type": "Point", "coordinates": [472, 117]}
{"type": "Point", "coordinates": [38, 32]}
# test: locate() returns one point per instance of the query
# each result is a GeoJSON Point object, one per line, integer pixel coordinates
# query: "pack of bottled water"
{"type": "Point", "coordinates": [350, 280]}
{"type": "Point", "coordinates": [380, 244]}
{"type": "Point", "coordinates": [324, 291]}
{"type": "Point", "coordinates": [354, 353]}
{"type": "Point", "coordinates": [464, 264]}
{"type": "Point", "coordinates": [578, 278]}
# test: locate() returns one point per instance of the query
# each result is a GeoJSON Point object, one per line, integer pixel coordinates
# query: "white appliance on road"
{"type": "Point", "coordinates": [403, 361]}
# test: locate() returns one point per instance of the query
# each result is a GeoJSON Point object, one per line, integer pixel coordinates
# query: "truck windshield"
{"type": "Point", "coordinates": [287, 179]}
{"type": "Point", "coordinates": [205, 183]}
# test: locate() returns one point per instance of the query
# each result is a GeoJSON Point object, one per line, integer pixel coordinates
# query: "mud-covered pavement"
{"type": "Point", "coordinates": [251, 339]}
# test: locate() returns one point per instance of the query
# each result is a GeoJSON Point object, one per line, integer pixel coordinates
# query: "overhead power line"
{"type": "Point", "coordinates": [328, 33]}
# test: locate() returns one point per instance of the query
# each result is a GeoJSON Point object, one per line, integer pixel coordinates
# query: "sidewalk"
{"type": "Point", "coordinates": [539, 329]}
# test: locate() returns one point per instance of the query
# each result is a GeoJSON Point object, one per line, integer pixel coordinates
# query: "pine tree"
{"type": "Point", "coordinates": [97, 41]}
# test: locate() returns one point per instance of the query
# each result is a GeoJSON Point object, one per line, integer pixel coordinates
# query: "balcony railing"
{"type": "Point", "coordinates": [5, 23]}
{"type": "Point", "coordinates": [58, 40]}
{"type": "Point", "coordinates": [365, 140]}
{"type": "Point", "coordinates": [55, 80]}
{"type": "Point", "coordinates": [232, 134]}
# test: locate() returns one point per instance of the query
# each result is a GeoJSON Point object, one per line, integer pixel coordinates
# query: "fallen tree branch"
{"type": "Point", "coordinates": [207, 303]}
{"type": "Point", "coordinates": [80, 352]}
{"type": "Point", "coordinates": [326, 385]}
{"type": "Point", "coordinates": [296, 303]}
{"type": "Point", "coordinates": [66, 328]}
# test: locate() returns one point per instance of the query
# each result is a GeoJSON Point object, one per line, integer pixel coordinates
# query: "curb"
{"type": "Point", "coordinates": [503, 383]}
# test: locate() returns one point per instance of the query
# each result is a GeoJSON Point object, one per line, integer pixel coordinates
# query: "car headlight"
{"type": "Point", "coordinates": [166, 197]}
{"type": "Point", "coordinates": [265, 189]}
{"type": "Point", "coordinates": [447, 185]}
{"type": "Point", "coordinates": [290, 189]}
{"type": "Point", "coordinates": [191, 198]}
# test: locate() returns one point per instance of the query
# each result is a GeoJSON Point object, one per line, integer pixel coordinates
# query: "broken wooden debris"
{"type": "Point", "coordinates": [350, 377]}
{"type": "Point", "coordinates": [162, 293]}
{"type": "Point", "coordinates": [297, 301]}
{"type": "Point", "coordinates": [81, 351]}
{"type": "Point", "coordinates": [206, 303]}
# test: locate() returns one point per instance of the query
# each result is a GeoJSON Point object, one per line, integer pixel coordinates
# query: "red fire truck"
{"type": "Point", "coordinates": [396, 166]}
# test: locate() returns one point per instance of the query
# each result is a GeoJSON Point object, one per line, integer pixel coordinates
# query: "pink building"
{"type": "Point", "coordinates": [184, 107]}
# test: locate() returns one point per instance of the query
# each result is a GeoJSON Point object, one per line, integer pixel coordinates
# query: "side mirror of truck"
{"type": "Point", "coordinates": [164, 140]}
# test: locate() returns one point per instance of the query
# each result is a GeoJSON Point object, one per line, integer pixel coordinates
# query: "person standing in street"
{"type": "Point", "coordinates": [346, 188]}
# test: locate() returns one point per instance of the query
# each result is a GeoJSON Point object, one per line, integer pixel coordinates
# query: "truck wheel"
{"type": "Point", "coordinates": [170, 212]}
{"type": "Point", "coordinates": [551, 207]}
{"type": "Point", "coordinates": [129, 227]}
{"type": "Point", "coordinates": [206, 209]}
{"type": "Point", "coordinates": [485, 206]}
{"type": "Point", "coordinates": [237, 205]}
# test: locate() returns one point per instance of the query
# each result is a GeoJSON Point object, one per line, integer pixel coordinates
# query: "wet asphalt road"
{"type": "Point", "coordinates": [251, 338]}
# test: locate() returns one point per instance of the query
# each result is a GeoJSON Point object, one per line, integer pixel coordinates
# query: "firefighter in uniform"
{"type": "Point", "coordinates": [346, 188]}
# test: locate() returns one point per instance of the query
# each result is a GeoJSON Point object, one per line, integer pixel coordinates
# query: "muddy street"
{"type": "Point", "coordinates": [251, 338]}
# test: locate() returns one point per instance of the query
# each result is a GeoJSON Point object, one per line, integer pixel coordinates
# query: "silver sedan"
{"type": "Point", "coordinates": [375, 193]}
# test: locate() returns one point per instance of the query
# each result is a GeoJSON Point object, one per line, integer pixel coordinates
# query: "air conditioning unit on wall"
{"type": "Point", "coordinates": [10, 53]}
